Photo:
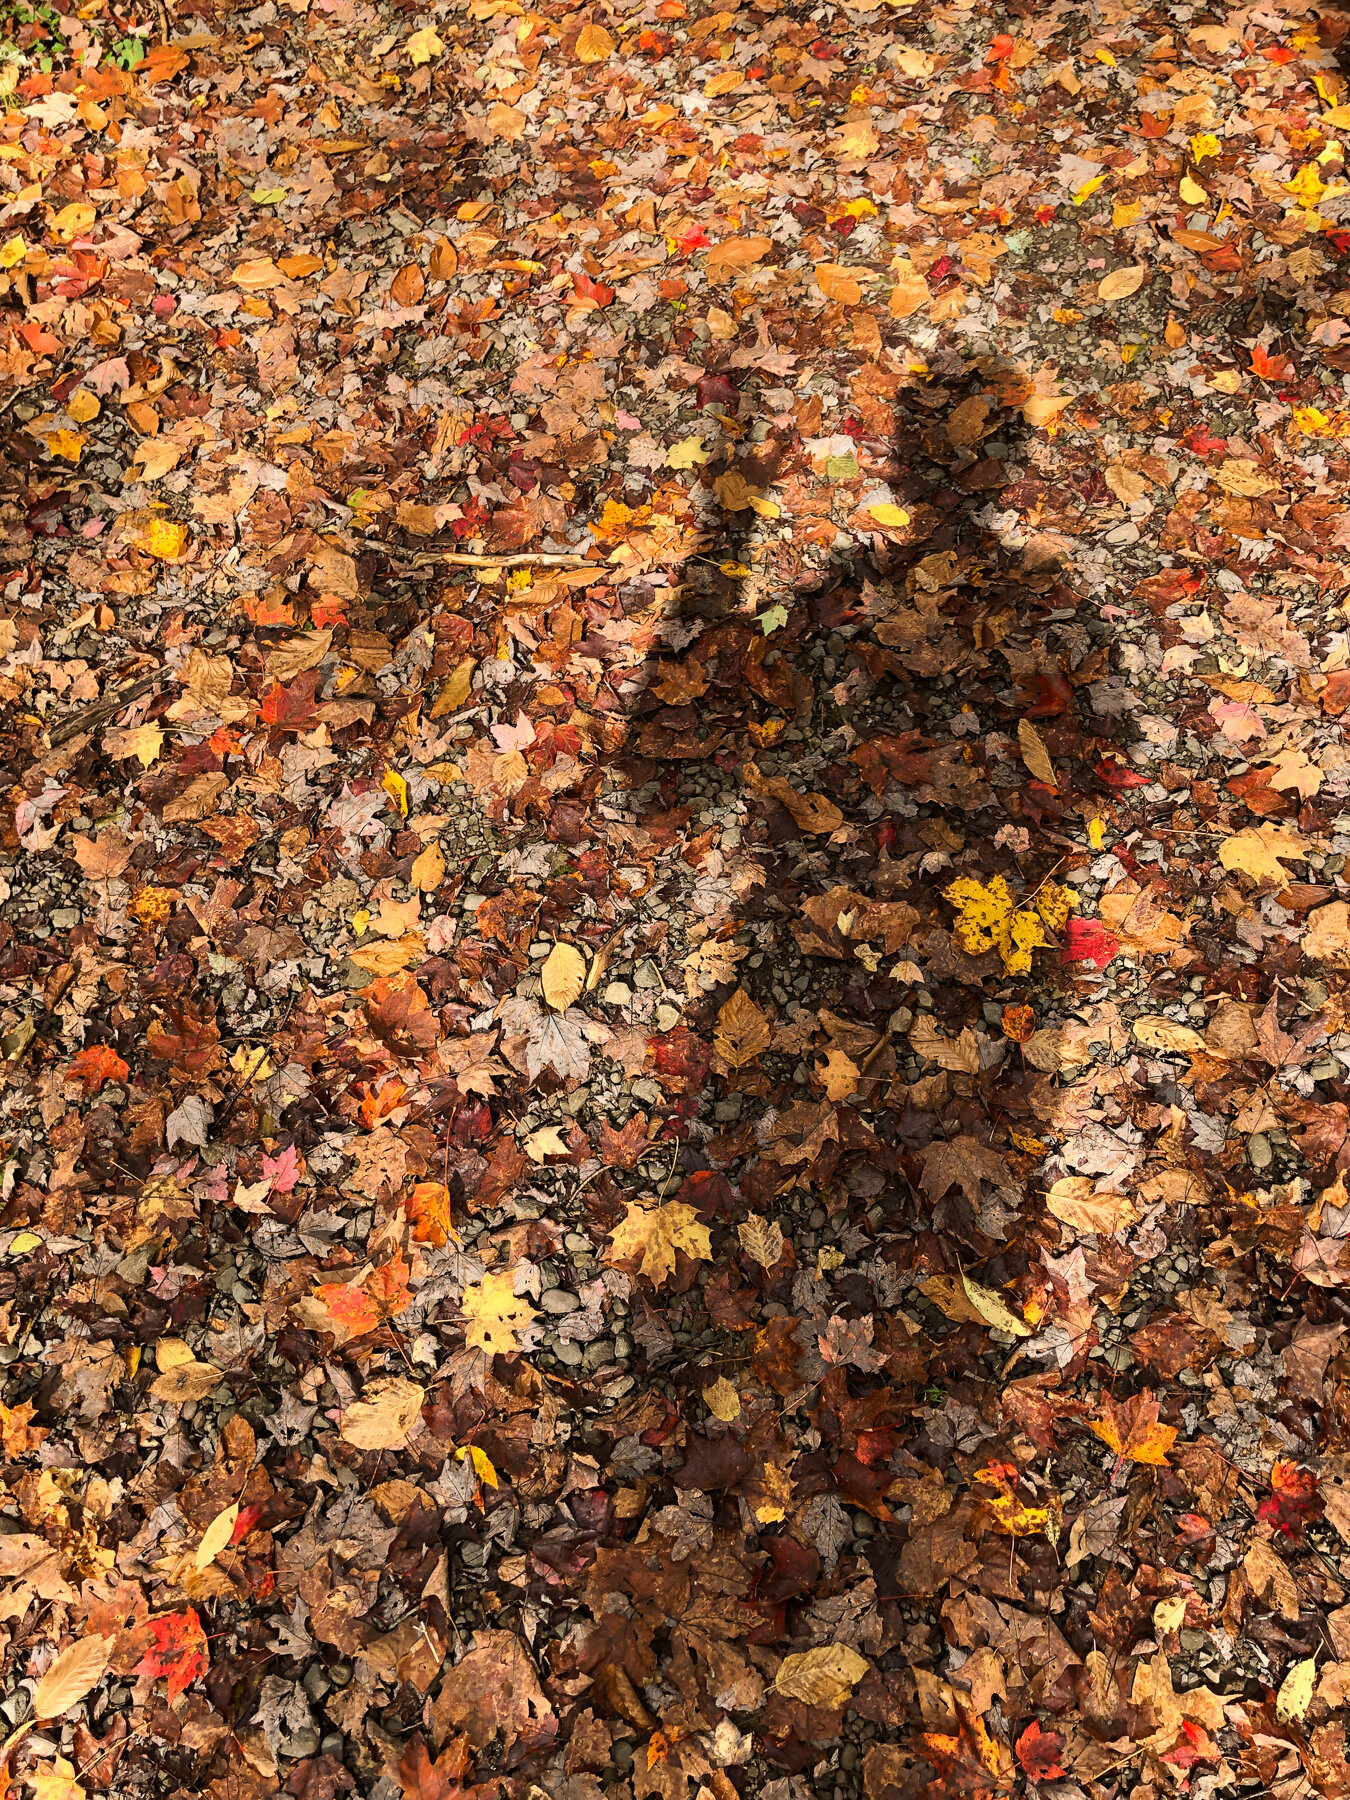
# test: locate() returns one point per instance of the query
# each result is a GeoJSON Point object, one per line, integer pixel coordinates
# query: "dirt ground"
{"type": "Point", "coordinates": [675, 1073]}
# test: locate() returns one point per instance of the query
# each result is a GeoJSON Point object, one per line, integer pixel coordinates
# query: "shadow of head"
{"type": "Point", "coordinates": [838, 571]}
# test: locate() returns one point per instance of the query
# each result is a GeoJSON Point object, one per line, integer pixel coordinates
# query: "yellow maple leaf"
{"type": "Point", "coordinates": [164, 539]}
{"type": "Point", "coordinates": [986, 919]}
{"type": "Point", "coordinates": [69, 444]}
{"type": "Point", "coordinates": [1055, 903]}
{"type": "Point", "coordinates": [57, 1782]}
{"type": "Point", "coordinates": [1307, 187]}
{"type": "Point", "coordinates": [494, 1316]}
{"type": "Point", "coordinates": [653, 1234]}
{"type": "Point", "coordinates": [424, 45]}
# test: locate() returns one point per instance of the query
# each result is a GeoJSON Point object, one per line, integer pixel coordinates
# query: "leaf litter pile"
{"type": "Point", "coordinates": [674, 947]}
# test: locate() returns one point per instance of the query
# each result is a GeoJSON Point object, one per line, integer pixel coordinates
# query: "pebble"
{"type": "Point", "coordinates": [1259, 1153]}
{"type": "Point", "coordinates": [567, 1352]}
{"type": "Point", "coordinates": [558, 1300]}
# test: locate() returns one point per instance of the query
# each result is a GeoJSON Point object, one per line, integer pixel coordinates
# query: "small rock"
{"type": "Point", "coordinates": [559, 1301]}
{"type": "Point", "coordinates": [1259, 1153]}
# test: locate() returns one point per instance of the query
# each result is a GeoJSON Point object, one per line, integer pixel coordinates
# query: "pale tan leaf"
{"type": "Point", "coordinates": [382, 1418]}
{"type": "Point", "coordinates": [186, 1382]}
{"type": "Point", "coordinates": [1034, 753]}
{"type": "Point", "coordinates": [1242, 475]}
{"type": "Point", "coordinates": [1121, 283]}
{"type": "Point", "coordinates": [825, 1676]}
{"type": "Point", "coordinates": [762, 1239]}
{"type": "Point", "coordinates": [216, 1536]}
{"type": "Point", "coordinates": [1073, 1201]}
{"type": "Point", "coordinates": [563, 976]}
{"type": "Point", "coordinates": [74, 1673]}
{"type": "Point", "coordinates": [1157, 1033]}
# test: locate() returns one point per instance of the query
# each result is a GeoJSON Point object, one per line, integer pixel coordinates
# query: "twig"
{"type": "Point", "coordinates": [85, 720]}
{"type": "Point", "coordinates": [540, 557]}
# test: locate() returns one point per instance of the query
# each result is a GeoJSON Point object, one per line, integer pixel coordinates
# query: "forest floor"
{"type": "Point", "coordinates": [674, 1058]}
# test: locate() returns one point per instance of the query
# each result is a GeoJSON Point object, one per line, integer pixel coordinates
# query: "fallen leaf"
{"type": "Point", "coordinates": [824, 1677]}
{"type": "Point", "coordinates": [73, 1675]}
{"type": "Point", "coordinates": [384, 1415]}
{"type": "Point", "coordinates": [563, 976]}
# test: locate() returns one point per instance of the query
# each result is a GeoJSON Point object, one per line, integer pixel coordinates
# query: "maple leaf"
{"type": "Point", "coordinates": [57, 1782]}
{"type": "Point", "coordinates": [494, 1315]}
{"type": "Point", "coordinates": [384, 1416]}
{"type": "Point", "coordinates": [987, 919]}
{"type": "Point", "coordinates": [428, 1207]}
{"type": "Point", "coordinates": [177, 1651]}
{"type": "Point", "coordinates": [1133, 1430]}
{"type": "Point", "coordinates": [92, 1067]}
{"type": "Point", "coordinates": [1039, 1752]}
{"type": "Point", "coordinates": [623, 1149]}
{"type": "Point", "coordinates": [282, 1170]}
{"type": "Point", "coordinates": [400, 1014]}
{"type": "Point", "coordinates": [682, 1060]}
{"type": "Point", "coordinates": [742, 1031]}
{"type": "Point", "coordinates": [651, 1236]}
{"type": "Point", "coordinates": [964, 1162]}
{"type": "Point", "coordinates": [492, 1692]}
{"type": "Point", "coordinates": [1258, 852]}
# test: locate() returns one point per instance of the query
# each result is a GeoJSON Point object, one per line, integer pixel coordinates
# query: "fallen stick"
{"type": "Point", "coordinates": [90, 716]}
{"type": "Point", "coordinates": [544, 558]}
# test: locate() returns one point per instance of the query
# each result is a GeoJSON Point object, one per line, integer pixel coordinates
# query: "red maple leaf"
{"type": "Point", "coordinates": [1270, 368]}
{"type": "Point", "coordinates": [350, 1305]}
{"type": "Point", "coordinates": [388, 1286]}
{"type": "Point", "coordinates": [1088, 940]}
{"type": "Point", "coordinates": [588, 288]}
{"type": "Point", "coordinates": [94, 1066]}
{"type": "Point", "coordinates": [681, 1059]}
{"type": "Point", "coordinates": [291, 708]}
{"type": "Point", "coordinates": [1039, 1752]}
{"type": "Point", "coordinates": [177, 1651]}
{"type": "Point", "coordinates": [1295, 1499]}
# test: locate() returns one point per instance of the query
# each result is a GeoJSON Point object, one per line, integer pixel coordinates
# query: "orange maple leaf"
{"type": "Point", "coordinates": [1133, 1429]}
{"type": "Point", "coordinates": [94, 1066]}
{"type": "Point", "coordinates": [428, 1208]}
